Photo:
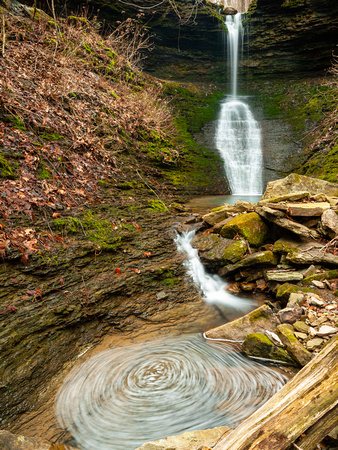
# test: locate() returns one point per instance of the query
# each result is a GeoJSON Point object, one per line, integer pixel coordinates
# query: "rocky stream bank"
{"type": "Point", "coordinates": [283, 247]}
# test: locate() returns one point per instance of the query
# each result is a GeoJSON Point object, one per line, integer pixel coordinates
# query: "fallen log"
{"type": "Point", "coordinates": [305, 409]}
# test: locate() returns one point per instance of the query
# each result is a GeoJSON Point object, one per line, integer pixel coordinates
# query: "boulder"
{"type": "Point", "coordinates": [329, 221]}
{"type": "Point", "coordinates": [256, 321]}
{"type": "Point", "coordinates": [215, 216]}
{"type": "Point", "coordinates": [295, 183]}
{"type": "Point", "coordinates": [292, 344]}
{"type": "Point", "coordinates": [191, 440]}
{"type": "Point", "coordinates": [259, 345]}
{"type": "Point", "coordinates": [290, 315]}
{"type": "Point", "coordinates": [250, 226]}
{"type": "Point", "coordinates": [264, 258]}
{"type": "Point", "coordinates": [285, 290]}
{"type": "Point", "coordinates": [278, 199]}
{"type": "Point", "coordinates": [216, 251]}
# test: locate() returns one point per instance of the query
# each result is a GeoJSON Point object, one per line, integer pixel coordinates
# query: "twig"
{"type": "Point", "coordinates": [3, 35]}
{"type": "Point", "coordinates": [144, 181]}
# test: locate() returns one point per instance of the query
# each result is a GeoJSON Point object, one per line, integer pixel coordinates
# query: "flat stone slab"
{"type": "Point", "coordinates": [311, 209]}
{"type": "Point", "coordinates": [265, 258]}
{"type": "Point", "coordinates": [257, 321]}
{"type": "Point", "coordinates": [283, 276]}
{"type": "Point", "coordinates": [191, 440]}
{"type": "Point", "coordinates": [290, 225]}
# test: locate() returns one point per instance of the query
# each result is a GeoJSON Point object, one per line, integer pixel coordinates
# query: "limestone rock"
{"type": "Point", "coordinates": [322, 276]}
{"type": "Point", "coordinates": [216, 251]}
{"type": "Point", "coordinates": [191, 440]}
{"type": "Point", "coordinates": [265, 200]}
{"type": "Point", "coordinates": [265, 258]}
{"type": "Point", "coordinates": [312, 344]}
{"type": "Point", "coordinates": [256, 321]}
{"type": "Point", "coordinates": [283, 276]}
{"type": "Point", "coordinates": [259, 345]}
{"type": "Point", "coordinates": [215, 216]}
{"type": "Point", "coordinates": [292, 345]}
{"type": "Point", "coordinates": [311, 209]}
{"type": "Point", "coordinates": [286, 289]}
{"type": "Point", "coordinates": [326, 330]}
{"type": "Point", "coordinates": [250, 226]}
{"type": "Point", "coordinates": [290, 225]}
{"type": "Point", "coordinates": [318, 284]}
{"type": "Point", "coordinates": [295, 299]}
{"type": "Point", "coordinates": [329, 221]}
{"type": "Point", "coordinates": [300, 335]}
{"type": "Point", "coordinates": [16, 442]}
{"type": "Point", "coordinates": [290, 315]}
{"type": "Point", "coordinates": [301, 326]}
{"type": "Point", "coordinates": [295, 183]}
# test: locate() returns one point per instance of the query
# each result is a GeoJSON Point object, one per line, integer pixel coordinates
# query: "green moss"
{"type": "Point", "coordinates": [258, 345]}
{"type": "Point", "coordinates": [51, 136]}
{"type": "Point", "coordinates": [327, 275]}
{"type": "Point", "coordinates": [234, 252]}
{"type": "Point", "coordinates": [7, 170]}
{"type": "Point", "coordinates": [285, 290]}
{"type": "Point", "coordinates": [105, 234]}
{"type": "Point", "coordinates": [250, 226]}
{"type": "Point", "coordinates": [157, 205]}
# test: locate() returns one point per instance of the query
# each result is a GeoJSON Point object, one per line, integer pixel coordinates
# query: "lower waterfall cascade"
{"type": "Point", "coordinates": [238, 135]}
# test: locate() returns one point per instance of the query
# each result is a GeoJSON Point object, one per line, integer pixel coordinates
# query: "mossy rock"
{"type": "Point", "coordinates": [258, 345]}
{"type": "Point", "coordinates": [265, 258]}
{"type": "Point", "coordinates": [285, 290]}
{"type": "Point", "coordinates": [293, 346]}
{"type": "Point", "coordinates": [215, 251]}
{"type": "Point", "coordinates": [327, 275]}
{"type": "Point", "coordinates": [250, 226]}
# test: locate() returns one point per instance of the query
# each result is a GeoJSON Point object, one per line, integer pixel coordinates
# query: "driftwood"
{"type": "Point", "coordinates": [300, 415]}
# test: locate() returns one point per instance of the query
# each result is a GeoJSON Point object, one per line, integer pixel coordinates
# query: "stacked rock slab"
{"type": "Point", "coordinates": [289, 248]}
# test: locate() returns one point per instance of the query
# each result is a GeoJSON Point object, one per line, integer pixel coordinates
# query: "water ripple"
{"type": "Point", "coordinates": [126, 396]}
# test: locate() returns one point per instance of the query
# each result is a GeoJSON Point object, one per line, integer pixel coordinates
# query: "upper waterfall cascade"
{"type": "Point", "coordinates": [238, 135]}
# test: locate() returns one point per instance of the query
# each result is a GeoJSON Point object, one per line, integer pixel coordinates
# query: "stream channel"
{"type": "Point", "coordinates": [169, 381]}
{"type": "Point", "coordinates": [177, 380]}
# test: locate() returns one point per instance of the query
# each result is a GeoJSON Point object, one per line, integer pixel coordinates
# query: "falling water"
{"type": "Point", "coordinates": [211, 285]}
{"type": "Point", "coordinates": [238, 136]}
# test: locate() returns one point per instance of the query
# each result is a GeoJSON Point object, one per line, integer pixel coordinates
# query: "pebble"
{"type": "Point", "coordinates": [301, 327]}
{"type": "Point", "coordinates": [318, 284]}
{"type": "Point", "coordinates": [314, 343]}
{"type": "Point", "coordinates": [315, 301]}
{"type": "Point", "coordinates": [325, 330]}
{"type": "Point", "coordinates": [300, 335]}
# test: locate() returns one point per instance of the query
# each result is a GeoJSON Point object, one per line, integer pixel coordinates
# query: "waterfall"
{"type": "Point", "coordinates": [235, 36]}
{"type": "Point", "coordinates": [238, 136]}
{"type": "Point", "coordinates": [212, 286]}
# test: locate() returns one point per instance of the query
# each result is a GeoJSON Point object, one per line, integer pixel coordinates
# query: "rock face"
{"type": "Point", "coordinates": [302, 33]}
